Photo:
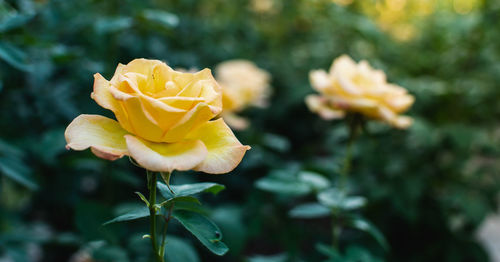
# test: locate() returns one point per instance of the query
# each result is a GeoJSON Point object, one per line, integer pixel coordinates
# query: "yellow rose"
{"type": "Point", "coordinates": [356, 87]}
{"type": "Point", "coordinates": [163, 120]}
{"type": "Point", "coordinates": [265, 6]}
{"type": "Point", "coordinates": [243, 85]}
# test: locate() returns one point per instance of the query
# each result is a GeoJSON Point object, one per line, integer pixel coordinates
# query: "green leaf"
{"type": "Point", "coordinates": [13, 56]}
{"type": "Point", "coordinates": [202, 228]}
{"type": "Point", "coordinates": [329, 251]}
{"type": "Point", "coordinates": [271, 258]}
{"type": "Point", "coordinates": [190, 206]}
{"type": "Point", "coordinates": [163, 18]}
{"type": "Point", "coordinates": [180, 199]}
{"type": "Point", "coordinates": [353, 202]}
{"type": "Point", "coordinates": [49, 145]}
{"type": "Point", "coordinates": [365, 226]}
{"type": "Point", "coordinates": [10, 150]}
{"type": "Point", "coordinates": [315, 180]}
{"type": "Point", "coordinates": [337, 199]}
{"type": "Point", "coordinates": [189, 189]}
{"type": "Point", "coordinates": [143, 198]}
{"type": "Point", "coordinates": [10, 18]}
{"type": "Point", "coordinates": [112, 24]}
{"type": "Point", "coordinates": [310, 210]}
{"type": "Point", "coordinates": [133, 214]}
{"type": "Point", "coordinates": [358, 253]}
{"type": "Point", "coordinates": [283, 186]}
{"type": "Point", "coordinates": [16, 170]}
{"type": "Point", "coordinates": [12, 166]}
{"type": "Point", "coordinates": [178, 249]}
{"type": "Point", "coordinates": [331, 198]}
{"type": "Point", "coordinates": [276, 142]}
{"type": "Point", "coordinates": [229, 218]}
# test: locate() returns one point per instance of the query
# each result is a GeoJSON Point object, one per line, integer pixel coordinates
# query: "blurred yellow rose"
{"type": "Point", "coordinates": [163, 120]}
{"type": "Point", "coordinates": [264, 6]}
{"type": "Point", "coordinates": [243, 85]}
{"type": "Point", "coordinates": [357, 87]}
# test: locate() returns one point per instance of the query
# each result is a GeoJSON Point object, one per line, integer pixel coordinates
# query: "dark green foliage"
{"type": "Point", "coordinates": [427, 189]}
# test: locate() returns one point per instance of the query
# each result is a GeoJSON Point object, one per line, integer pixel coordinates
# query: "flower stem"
{"type": "Point", "coordinates": [166, 178]}
{"type": "Point", "coordinates": [336, 230]}
{"type": "Point", "coordinates": [355, 122]}
{"type": "Point", "coordinates": [152, 214]}
{"type": "Point", "coordinates": [165, 227]}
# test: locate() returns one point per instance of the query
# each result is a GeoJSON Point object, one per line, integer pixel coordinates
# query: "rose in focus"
{"type": "Point", "coordinates": [357, 87]}
{"type": "Point", "coordinates": [163, 120]}
{"type": "Point", "coordinates": [243, 85]}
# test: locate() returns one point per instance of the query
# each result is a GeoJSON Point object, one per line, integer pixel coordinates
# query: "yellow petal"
{"type": "Point", "coordinates": [164, 116]}
{"type": "Point", "coordinates": [321, 106]}
{"type": "Point", "coordinates": [103, 96]}
{"type": "Point", "coordinates": [170, 88]}
{"type": "Point", "coordinates": [147, 76]}
{"type": "Point", "coordinates": [103, 135]}
{"type": "Point", "coordinates": [346, 85]}
{"type": "Point", "coordinates": [344, 70]}
{"type": "Point", "coordinates": [203, 85]}
{"type": "Point", "coordinates": [191, 89]}
{"type": "Point", "coordinates": [118, 72]}
{"type": "Point", "coordinates": [388, 116]}
{"type": "Point", "coordinates": [101, 93]}
{"type": "Point", "coordinates": [343, 65]}
{"type": "Point", "coordinates": [182, 78]}
{"type": "Point", "coordinates": [377, 76]}
{"type": "Point", "coordinates": [401, 103]}
{"type": "Point", "coordinates": [315, 102]}
{"type": "Point", "coordinates": [141, 122]}
{"type": "Point", "coordinates": [211, 92]}
{"type": "Point", "coordinates": [166, 157]}
{"type": "Point", "coordinates": [181, 102]}
{"type": "Point", "coordinates": [161, 75]}
{"type": "Point", "coordinates": [142, 66]}
{"type": "Point", "coordinates": [224, 150]}
{"type": "Point", "coordinates": [123, 90]}
{"type": "Point", "coordinates": [131, 83]}
{"type": "Point", "coordinates": [230, 100]}
{"type": "Point", "coordinates": [234, 121]}
{"type": "Point", "coordinates": [320, 80]}
{"type": "Point", "coordinates": [402, 122]}
{"type": "Point", "coordinates": [191, 82]}
{"type": "Point", "coordinates": [190, 121]}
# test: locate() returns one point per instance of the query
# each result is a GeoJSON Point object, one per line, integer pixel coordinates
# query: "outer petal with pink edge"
{"type": "Point", "coordinates": [224, 150]}
{"type": "Point", "coordinates": [166, 157]}
{"type": "Point", "coordinates": [104, 136]}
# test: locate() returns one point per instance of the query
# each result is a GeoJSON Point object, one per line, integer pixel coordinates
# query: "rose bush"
{"type": "Point", "coordinates": [163, 120]}
{"type": "Point", "coordinates": [357, 87]}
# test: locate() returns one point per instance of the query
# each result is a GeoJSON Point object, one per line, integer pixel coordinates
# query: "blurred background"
{"type": "Point", "coordinates": [432, 190]}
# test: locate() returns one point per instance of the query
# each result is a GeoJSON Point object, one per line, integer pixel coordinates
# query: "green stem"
{"type": "Point", "coordinates": [347, 165]}
{"type": "Point", "coordinates": [336, 230]}
{"type": "Point", "coordinates": [354, 125]}
{"type": "Point", "coordinates": [165, 227]}
{"type": "Point", "coordinates": [356, 121]}
{"type": "Point", "coordinates": [152, 214]}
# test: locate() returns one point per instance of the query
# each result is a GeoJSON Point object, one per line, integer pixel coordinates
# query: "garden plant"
{"type": "Point", "coordinates": [249, 130]}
